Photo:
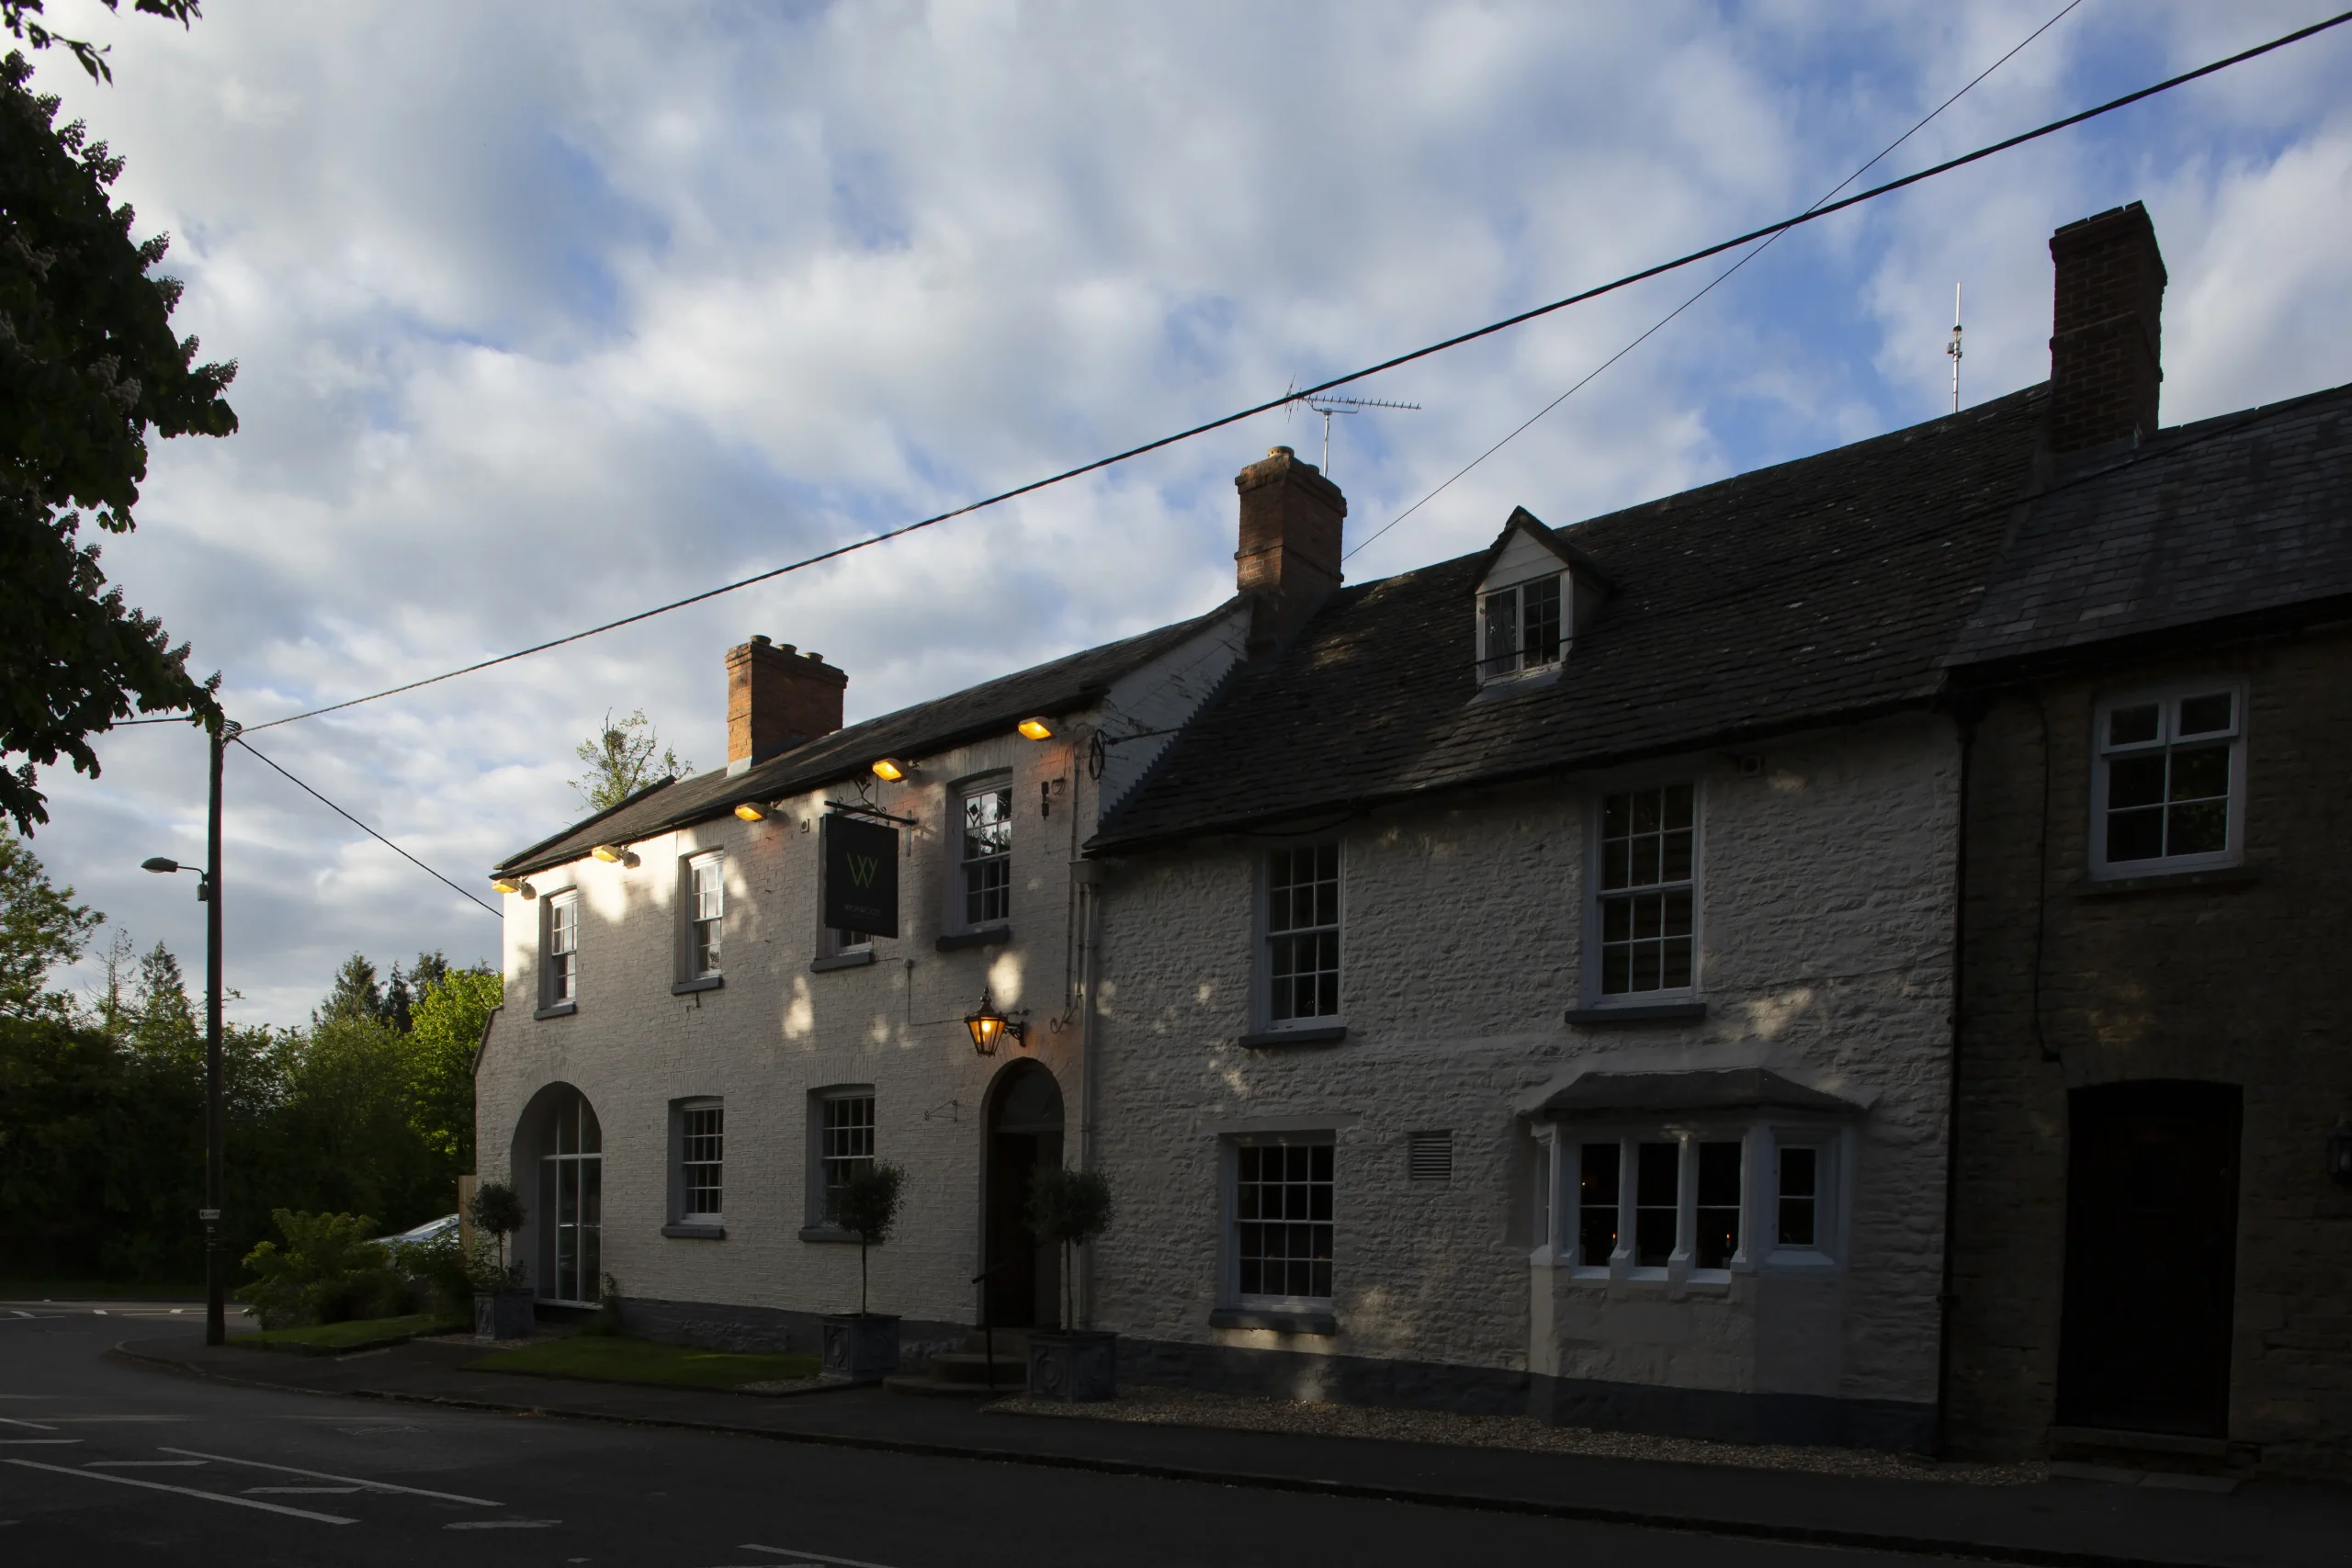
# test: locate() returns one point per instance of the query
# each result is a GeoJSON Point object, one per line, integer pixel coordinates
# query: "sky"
{"type": "Point", "coordinates": [548, 313]}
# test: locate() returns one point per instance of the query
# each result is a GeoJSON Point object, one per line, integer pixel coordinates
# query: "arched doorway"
{"type": "Point", "coordinates": [1024, 1134]}
{"type": "Point", "coordinates": [560, 1165]}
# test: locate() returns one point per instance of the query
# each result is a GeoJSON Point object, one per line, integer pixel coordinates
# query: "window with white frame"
{"type": "Point", "coordinates": [2169, 786]}
{"type": "Point", "coordinates": [1279, 1226]}
{"type": "Point", "coordinates": [1302, 934]}
{"type": "Point", "coordinates": [1658, 1201]}
{"type": "Point", "coordinates": [705, 909]}
{"type": "Point", "coordinates": [562, 984]}
{"type": "Point", "coordinates": [1519, 628]}
{"type": "Point", "coordinates": [701, 1164]}
{"type": "Point", "coordinates": [842, 1139]}
{"type": "Point", "coordinates": [984, 858]}
{"type": "Point", "coordinates": [1648, 890]}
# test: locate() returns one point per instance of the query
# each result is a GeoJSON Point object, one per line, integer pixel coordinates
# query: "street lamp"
{"type": "Point", "coordinates": [989, 1026]}
{"type": "Point", "coordinates": [208, 888]}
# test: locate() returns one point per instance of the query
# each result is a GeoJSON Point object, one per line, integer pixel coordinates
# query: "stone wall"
{"type": "Point", "coordinates": [2239, 980]}
{"type": "Point", "coordinates": [1825, 937]}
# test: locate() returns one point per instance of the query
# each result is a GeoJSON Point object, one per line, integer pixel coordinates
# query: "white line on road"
{"type": "Point", "coordinates": [502, 1523]}
{"type": "Point", "coordinates": [98, 1420]}
{"type": "Point", "coordinates": [36, 1425]}
{"type": "Point", "coordinates": [807, 1556]}
{"type": "Point", "coordinates": [323, 1475]}
{"type": "Point", "coordinates": [141, 1463]}
{"type": "Point", "coordinates": [37, 1442]}
{"type": "Point", "coordinates": [185, 1492]}
{"type": "Point", "coordinates": [300, 1490]}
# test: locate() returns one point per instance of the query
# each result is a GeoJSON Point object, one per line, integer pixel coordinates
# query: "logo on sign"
{"type": "Point", "coordinates": [861, 869]}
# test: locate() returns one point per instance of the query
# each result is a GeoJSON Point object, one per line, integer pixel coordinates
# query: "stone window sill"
{"type": "Point", "coordinates": [1638, 1012]}
{"type": "Point", "coordinates": [695, 1232]}
{"type": "Point", "coordinates": [687, 987]}
{"type": "Point", "coordinates": [2227, 879]}
{"type": "Point", "coordinates": [560, 1010]}
{"type": "Point", "coordinates": [992, 937]}
{"type": "Point", "coordinates": [1325, 1034]}
{"type": "Point", "coordinates": [828, 1233]}
{"type": "Point", "coordinates": [1319, 1322]}
{"type": "Point", "coordinates": [842, 961]}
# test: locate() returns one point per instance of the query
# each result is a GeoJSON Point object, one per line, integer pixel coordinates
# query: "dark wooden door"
{"type": "Point", "coordinates": [2152, 1203]}
{"type": "Point", "coordinates": [1012, 1289]}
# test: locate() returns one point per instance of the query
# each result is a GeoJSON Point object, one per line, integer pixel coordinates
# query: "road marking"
{"type": "Point", "coordinates": [141, 1463]}
{"type": "Point", "coordinates": [295, 1491]}
{"type": "Point", "coordinates": [96, 1421]}
{"type": "Point", "coordinates": [35, 1442]}
{"type": "Point", "coordinates": [185, 1492]}
{"type": "Point", "coordinates": [36, 1425]}
{"type": "Point", "coordinates": [807, 1556]}
{"type": "Point", "coordinates": [321, 1475]}
{"type": "Point", "coordinates": [502, 1523]}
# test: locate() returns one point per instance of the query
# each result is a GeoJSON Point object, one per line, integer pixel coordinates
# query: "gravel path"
{"type": "Point", "coordinates": [1189, 1407]}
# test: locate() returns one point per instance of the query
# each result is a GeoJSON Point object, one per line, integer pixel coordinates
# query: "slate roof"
{"type": "Point", "coordinates": [2246, 513]}
{"type": "Point", "coordinates": [1820, 589]}
{"type": "Point", "coordinates": [992, 707]}
{"type": "Point", "coordinates": [1714, 1088]}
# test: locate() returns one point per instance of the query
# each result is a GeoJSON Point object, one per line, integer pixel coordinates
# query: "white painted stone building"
{"type": "Point", "coordinates": [1531, 987]}
{"type": "Point", "coordinates": [688, 1055]}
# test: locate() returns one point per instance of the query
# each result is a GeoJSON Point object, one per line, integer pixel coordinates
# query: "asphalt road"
{"type": "Point", "coordinates": [103, 1464]}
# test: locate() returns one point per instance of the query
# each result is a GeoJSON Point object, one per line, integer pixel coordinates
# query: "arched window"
{"type": "Point", "coordinates": [571, 1200]}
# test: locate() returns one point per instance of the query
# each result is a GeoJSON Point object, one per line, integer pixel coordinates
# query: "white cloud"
{"type": "Point", "coordinates": [548, 313]}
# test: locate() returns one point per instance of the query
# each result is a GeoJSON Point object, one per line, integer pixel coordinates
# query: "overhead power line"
{"type": "Point", "coordinates": [1658, 325]}
{"type": "Point", "coordinates": [371, 832]}
{"type": "Point", "coordinates": [1810, 215]}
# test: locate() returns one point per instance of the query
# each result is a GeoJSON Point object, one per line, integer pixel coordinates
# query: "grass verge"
{"type": "Point", "coordinates": [335, 1338]}
{"type": "Point", "coordinates": [611, 1359]}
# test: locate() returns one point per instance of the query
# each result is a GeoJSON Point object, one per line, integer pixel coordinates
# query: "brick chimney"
{"type": "Point", "coordinates": [2106, 336]}
{"type": "Point", "coordinates": [778, 698]}
{"type": "Point", "coordinates": [1289, 558]}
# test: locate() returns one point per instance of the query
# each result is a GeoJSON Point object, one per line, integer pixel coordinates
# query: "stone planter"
{"type": "Point", "coordinates": [861, 1347]}
{"type": "Point", "coordinates": [502, 1315]}
{"type": "Point", "coordinates": [1080, 1364]}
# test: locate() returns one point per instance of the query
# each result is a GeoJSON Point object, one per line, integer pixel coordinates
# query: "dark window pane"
{"type": "Point", "coordinates": [1676, 918]}
{"type": "Point", "coordinates": [2199, 772]}
{"type": "Point", "coordinates": [1653, 1238]}
{"type": "Point", "coordinates": [1616, 815]}
{"type": "Point", "coordinates": [1678, 856]}
{"type": "Point", "coordinates": [1597, 1237]}
{"type": "Point", "coordinates": [1677, 807]}
{"type": "Point", "coordinates": [1674, 964]}
{"type": "Point", "coordinates": [1502, 631]}
{"type": "Point", "coordinates": [1716, 1237]}
{"type": "Point", "coordinates": [2201, 828]}
{"type": "Point", "coordinates": [2135, 781]}
{"type": "Point", "coordinates": [1616, 864]}
{"type": "Point", "coordinates": [1617, 971]}
{"type": "Point", "coordinates": [2205, 715]}
{"type": "Point", "coordinates": [1657, 1174]}
{"type": "Point", "coordinates": [2135, 835]}
{"type": "Point", "coordinates": [1617, 920]}
{"type": "Point", "coordinates": [1719, 1174]}
{"type": "Point", "coordinates": [1645, 966]}
{"type": "Point", "coordinates": [1645, 811]}
{"type": "Point", "coordinates": [1542, 630]}
{"type": "Point", "coordinates": [2128, 726]}
{"type": "Point", "coordinates": [1798, 1173]}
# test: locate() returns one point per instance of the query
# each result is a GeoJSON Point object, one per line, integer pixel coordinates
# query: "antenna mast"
{"type": "Point", "coordinates": [1328, 406]}
{"type": "Point", "coordinates": [1951, 348]}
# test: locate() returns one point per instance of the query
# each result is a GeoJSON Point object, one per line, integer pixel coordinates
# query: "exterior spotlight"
{"type": "Point", "coordinates": [751, 813]}
{"type": "Point", "coordinates": [2339, 1153]}
{"type": "Point", "coordinates": [1036, 729]}
{"type": "Point", "coordinates": [989, 1026]}
{"type": "Point", "coordinates": [611, 854]}
{"type": "Point", "coordinates": [892, 768]}
{"type": "Point", "coordinates": [507, 884]}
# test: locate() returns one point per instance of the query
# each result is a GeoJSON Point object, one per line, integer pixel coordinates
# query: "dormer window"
{"type": "Point", "coordinates": [1519, 628]}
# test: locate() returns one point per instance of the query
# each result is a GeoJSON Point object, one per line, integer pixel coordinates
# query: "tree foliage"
{"type": "Point", "coordinates": [869, 1206]}
{"type": "Point", "coordinates": [41, 929]}
{"type": "Point", "coordinates": [621, 761]}
{"type": "Point", "coordinates": [22, 18]}
{"type": "Point", "coordinates": [88, 365]}
{"type": "Point", "coordinates": [1069, 1208]}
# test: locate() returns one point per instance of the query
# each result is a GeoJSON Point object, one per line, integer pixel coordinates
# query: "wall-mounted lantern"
{"type": "Point", "coordinates": [2339, 1153]}
{"type": "Point", "coordinates": [989, 1026]}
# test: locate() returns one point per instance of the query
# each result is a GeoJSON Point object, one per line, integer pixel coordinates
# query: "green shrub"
{"type": "Point", "coordinates": [605, 1322]}
{"type": "Point", "coordinates": [329, 1271]}
{"type": "Point", "coordinates": [1069, 1208]}
{"type": "Point", "coordinates": [869, 1206]}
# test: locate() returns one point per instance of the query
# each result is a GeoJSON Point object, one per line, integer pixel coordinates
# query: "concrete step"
{"type": "Point", "coordinates": [923, 1387]}
{"type": "Point", "coordinates": [971, 1366]}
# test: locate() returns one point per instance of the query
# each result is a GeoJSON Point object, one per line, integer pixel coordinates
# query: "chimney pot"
{"type": "Point", "coordinates": [776, 700]}
{"type": "Point", "coordinates": [2106, 336]}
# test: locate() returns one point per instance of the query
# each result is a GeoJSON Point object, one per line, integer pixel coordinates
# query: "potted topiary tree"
{"type": "Point", "coordinates": [862, 1346]}
{"type": "Point", "coordinates": [501, 1295]}
{"type": "Point", "coordinates": [1070, 1208]}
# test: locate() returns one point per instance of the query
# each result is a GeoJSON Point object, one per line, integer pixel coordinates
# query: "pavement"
{"type": "Point", "coordinates": [2063, 1522]}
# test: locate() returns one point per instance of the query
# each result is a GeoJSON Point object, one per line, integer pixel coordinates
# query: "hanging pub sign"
{"type": "Point", "coordinates": [861, 875]}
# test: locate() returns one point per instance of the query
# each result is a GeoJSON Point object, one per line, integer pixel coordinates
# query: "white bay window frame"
{"type": "Point", "coordinates": [1561, 1209]}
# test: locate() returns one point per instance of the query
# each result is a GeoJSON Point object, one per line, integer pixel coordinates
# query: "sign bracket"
{"type": "Point", "coordinates": [862, 809]}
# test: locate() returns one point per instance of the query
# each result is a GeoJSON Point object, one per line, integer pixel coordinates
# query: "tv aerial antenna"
{"type": "Point", "coordinates": [1327, 406]}
{"type": "Point", "coordinates": [1952, 348]}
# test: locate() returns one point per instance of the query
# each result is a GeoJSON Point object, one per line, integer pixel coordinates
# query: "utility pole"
{"type": "Point", "coordinates": [216, 1272]}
